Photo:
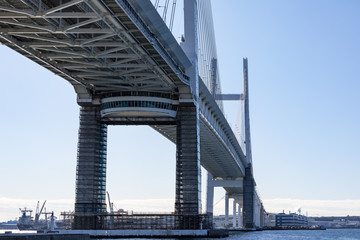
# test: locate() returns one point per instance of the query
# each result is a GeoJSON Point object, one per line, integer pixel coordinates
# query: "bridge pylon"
{"type": "Point", "coordinates": [91, 170]}
{"type": "Point", "coordinates": [188, 195]}
{"type": "Point", "coordinates": [249, 182]}
{"type": "Point", "coordinates": [188, 166]}
{"type": "Point", "coordinates": [248, 198]}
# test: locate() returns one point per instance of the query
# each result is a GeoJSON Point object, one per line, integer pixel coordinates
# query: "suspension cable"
{"type": "Point", "coordinates": [172, 15]}
{"type": "Point", "coordinates": [157, 4]}
{"type": "Point", "coordinates": [165, 10]}
{"type": "Point", "coordinates": [219, 200]}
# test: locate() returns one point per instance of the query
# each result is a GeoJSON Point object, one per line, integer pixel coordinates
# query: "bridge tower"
{"type": "Point", "coordinates": [90, 202]}
{"type": "Point", "coordinates": [246, 212]}
{"type": "Point", "coordinates": [249, 182]}
{"type": "Point", "coordinates": [188, 168]}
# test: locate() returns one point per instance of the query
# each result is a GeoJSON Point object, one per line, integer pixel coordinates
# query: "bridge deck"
{"type": "Point", "coordinates": [94, 44]}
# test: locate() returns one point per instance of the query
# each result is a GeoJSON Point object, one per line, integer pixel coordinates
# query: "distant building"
{"type": "Point", "coordinates": [221, 222]}
{"type": "Point", "coordinates": [291, 220]}
{"type": "Point", "coordinates": [270, 220]}
{"type": "Point", "coordinates": [324, 223]}
{"type": "Point", "coordinates": [335, 222]}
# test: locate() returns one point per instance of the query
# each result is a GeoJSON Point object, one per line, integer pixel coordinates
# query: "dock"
{"type": "Point", "coordinates": [43, 236]}
{"type": "Point", "coordinates": [214, 233]}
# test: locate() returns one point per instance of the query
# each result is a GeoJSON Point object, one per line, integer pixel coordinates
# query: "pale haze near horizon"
{"type": "Point", "coordinates": [304, 68]}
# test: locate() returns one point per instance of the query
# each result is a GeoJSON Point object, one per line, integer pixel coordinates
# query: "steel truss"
{"type": "Point", "coordinates": [92, 43]}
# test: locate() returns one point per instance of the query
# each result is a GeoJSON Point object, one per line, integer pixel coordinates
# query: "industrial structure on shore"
{"type": "Point", "coordinates": [127, 69]}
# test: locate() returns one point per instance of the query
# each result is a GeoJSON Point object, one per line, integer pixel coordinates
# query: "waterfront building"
{"type": "Point", "coordinates": [335, 222]}
{"type": "Point", "coordinates": [291, 220]}
{"type": "Point", "coordinates": [270, 220]}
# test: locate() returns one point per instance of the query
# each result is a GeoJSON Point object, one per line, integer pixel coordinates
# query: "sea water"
{"type": "Point", "coordinates": [339, 234]}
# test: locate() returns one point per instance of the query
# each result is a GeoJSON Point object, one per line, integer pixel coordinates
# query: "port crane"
{"type": "Point", "coordinates": [111, 205]}
{"type": "Point", "coordinates": [38, 213]}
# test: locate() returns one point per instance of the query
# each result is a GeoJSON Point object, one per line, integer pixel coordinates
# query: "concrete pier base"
{"type": "Point", "coordinates": [191, 233]}
{"type": "Point", "coordinates": [91, 234]}
{"type": "Point", "coordinates": [249, 191]}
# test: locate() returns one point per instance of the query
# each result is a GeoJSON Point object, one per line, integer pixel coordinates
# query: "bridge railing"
{"type": "Point", "coordinates": [163, 41]}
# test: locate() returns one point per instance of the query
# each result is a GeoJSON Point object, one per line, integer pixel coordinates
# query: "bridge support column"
{"type": "Point", "coordinates": [188, 170]}
{"type": "Point", "coordinates": [91, 170]}
{"type": "Point", "coordinates": [262, 215]}
{"type": "Point", "coordinates": [210, 195]}
{"type": "Point", "coordinates": [226, 208]}
{"type": "Point", "coordinates": [239, 216]}
{"type": "Point", "coordinates": [249, 192]}
{"type": "Point", "coordinates": [234, 214]}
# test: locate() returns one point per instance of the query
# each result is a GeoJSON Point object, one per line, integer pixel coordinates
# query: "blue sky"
{"type": "Point", "coordinates": [304, 68]}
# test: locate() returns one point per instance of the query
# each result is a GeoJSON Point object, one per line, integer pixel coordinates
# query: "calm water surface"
{"type": "Point", "coordinates": [340, 234]}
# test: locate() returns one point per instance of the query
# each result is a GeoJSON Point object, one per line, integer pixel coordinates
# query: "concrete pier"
{"type": "Point", "coordinates": [249, 192]}
{"type": "Point", "coordinates": [188, 233]}
{"type": "Point", "coordinates": [210, 194]}
{"type": "Point", "coordinates": [188, 175]}
{"type": "Point", "coordinates": [91, 170]}
{"type": "Point", "coordinates": [226, 207]}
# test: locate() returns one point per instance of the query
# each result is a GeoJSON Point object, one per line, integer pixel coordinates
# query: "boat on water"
{"type": "Point", "coordinates": [28, 222]}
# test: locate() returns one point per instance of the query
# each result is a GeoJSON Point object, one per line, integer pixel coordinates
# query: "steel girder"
{"type": "Point", "coordinates": [92, 43]}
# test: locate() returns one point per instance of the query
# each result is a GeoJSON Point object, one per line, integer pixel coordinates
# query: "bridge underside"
{"type": "Point", "coordinates": [214, 157]}
{"type": "Point", "coordinates": [98, 46]}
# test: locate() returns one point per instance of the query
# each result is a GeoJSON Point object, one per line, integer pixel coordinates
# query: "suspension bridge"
{"type": "Point", "coordinates": [127, 68]}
